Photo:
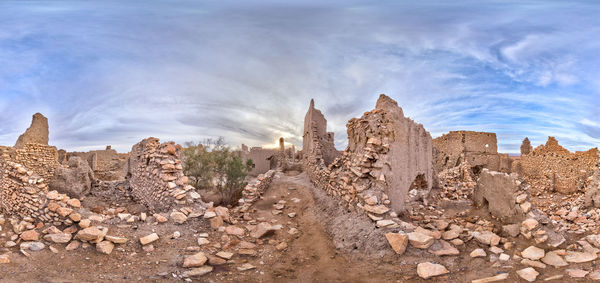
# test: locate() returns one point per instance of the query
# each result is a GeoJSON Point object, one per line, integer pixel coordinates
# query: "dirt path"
{"type": "Point", "coordinates": [311, 257]}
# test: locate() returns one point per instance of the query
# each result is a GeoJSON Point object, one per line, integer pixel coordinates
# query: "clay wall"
{"type": "Point", "coordinates": [260, 157]}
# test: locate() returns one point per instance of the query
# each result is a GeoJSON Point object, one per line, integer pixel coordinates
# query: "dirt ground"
{"type": "Point", "coordinates": [310, 255]}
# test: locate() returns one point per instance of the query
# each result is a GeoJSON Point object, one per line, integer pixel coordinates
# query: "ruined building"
{"type": "Point", "coordinates": [526, 147]}
{"type": "Point", "coordinates": [553, 167]}
{"type": "Point", "coordinates": [108, 164]}
{"type": "Point", "coordinates": [387, 155]}
{"type": "Point", "coordinates": [261, 157]}
{"type": "Point", "coordinates": [479, 149]}
{"type": "Point", "coordinates": [316, 141]}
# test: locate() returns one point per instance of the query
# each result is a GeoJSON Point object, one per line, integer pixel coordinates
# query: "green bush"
{"type": "Point", "coordinates": [212, 164]}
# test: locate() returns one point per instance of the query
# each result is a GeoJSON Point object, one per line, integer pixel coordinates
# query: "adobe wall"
{"type": "Point", "coordinates": [479, 149]}
{"type": "Point", "coordinates": [386, 154]}
{"type": "Point", "coordinates": [155, 175]}
{"type": "Point", "coordinates": [554, 168]}
{"type": "Point", "coordinates": [260, 157]}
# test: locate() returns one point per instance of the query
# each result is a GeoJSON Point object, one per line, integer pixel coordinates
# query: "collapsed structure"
{"type": "Point", "coordinates": [479, 149]}
{"type": "Point", "coordinates": [387, 156]}
{"type": "Point", "coordinates": [265, 159]}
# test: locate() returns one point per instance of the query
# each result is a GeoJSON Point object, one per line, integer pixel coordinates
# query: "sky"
{"type": "Point", "coordinates": [115, 72]}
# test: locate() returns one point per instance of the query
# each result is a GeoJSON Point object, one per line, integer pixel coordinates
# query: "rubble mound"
{"type": "Point", "coordinates": [75, 179]}
{"type": "Point", "coordinates": [36, 133]}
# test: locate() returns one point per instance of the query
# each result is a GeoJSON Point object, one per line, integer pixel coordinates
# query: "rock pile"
{"type": "Point", "coordinates": [254, 190]}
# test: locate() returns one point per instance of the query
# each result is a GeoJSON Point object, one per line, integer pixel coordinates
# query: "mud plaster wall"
{"type": "Point", "coordinates": [316, 140]}
{"type": "Point", "coordinates": [155, 175]}
{"type": "Point", "coordinates": [386, 153]}
{"type": "Point", "coordinates": [479, 149]}
{"type": "Point", "coordinates": [554, 168]}
{"type": "Point", "coordinates": [260, 157]}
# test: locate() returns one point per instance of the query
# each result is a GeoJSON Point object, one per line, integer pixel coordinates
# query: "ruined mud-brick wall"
{"type": "Point", "coordinates": [25, 194]}
{"type": "Point", "coordinates": [479, 149]}
{"type": "Point", "coordinates": [108, 164]}
{"type": "Point", "coordinates": [39, 158]}
{"type": "Point", "coordinates": [254, 190]}
{"type": "Point", "coordinates": [387, 156]}
{"type": "Point", "coordinates": [554, 168]}
{"type": "Point", "coordinates": [155, 175]}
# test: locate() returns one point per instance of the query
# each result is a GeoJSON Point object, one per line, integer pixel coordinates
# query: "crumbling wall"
{"type": "Point", "coordinates": [526, 147]}
{"type": "Point", "coordinates": [479, 149]}
{"type": "Point", "coordinates": [155, 174]}
{"type": "Point", "coordinates": [108, 164]}
{"type": "Point", "coordinates": [75, 179]}
{"type": "Point", "coordinates": [554, 168]}
{"type": "Point", "coordinates": [498, 191]}
{"type": "Point", "coordinates": [40, 159]}
{"type": "Point", "coordinates": [592, 189]}
{"type": "Point", "coordinates": [316, 141]}
{"type": "Point", "coordinates": [37, 133]}
{"type": "Point", "coordinates": [387, 155]}
{"type": "Point", "coordinates": [254, 190]}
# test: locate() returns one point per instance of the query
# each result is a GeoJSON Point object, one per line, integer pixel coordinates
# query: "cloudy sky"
{"type": "Point", "coordinates": [109, 72]}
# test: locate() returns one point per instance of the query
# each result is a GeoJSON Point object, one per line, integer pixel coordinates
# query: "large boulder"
{"type": "Point", "coordinates": [496, 191]}
{"type": "Point", "coordinates": [74, 180]}
{"type": "Point", "coordinates": [36, 133]}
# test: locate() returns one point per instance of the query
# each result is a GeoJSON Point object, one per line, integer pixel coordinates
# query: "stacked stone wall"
{"type": "Point", "coordinates": [253, 191]}
{"type": "Point", "coordinates": [155, 175]}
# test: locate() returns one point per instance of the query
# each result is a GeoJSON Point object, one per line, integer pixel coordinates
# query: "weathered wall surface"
{"type": "Point", "coordinates": [261, 158]}
{"type": "Point", "coordinates": [316, 141]}
{"type": "Point", "coordinates": [553, 167]}
{"type": "Point", "coordinates": [498, 192]}
{"type": "Point", "coordinates": [108, 164]}
{"type": "Point", "coordinates": [155, 175]}
{"type": "Point", "coordinates": [387, 155]}
{"type": "Point", "coordinates": [75, 179]}
{"type": "Point", "coordinates": [479, 149]}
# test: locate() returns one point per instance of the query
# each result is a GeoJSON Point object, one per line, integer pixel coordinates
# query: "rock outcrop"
{"type": "Point", "coordinates": [387, 155]}
{"type": "Point", "coordinates": [75, 179]}
{"type": "Point", "coordinates": [36, 133]}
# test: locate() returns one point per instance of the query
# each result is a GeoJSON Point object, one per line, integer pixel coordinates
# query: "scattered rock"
{"type": "Point", "coordinates": [499, 277]}
{"type": "Point", "coordinates": [196, 260]}
{"type": "Point", "coordinates": [398, 241]}
{"type": "Point", "coordinates": [196, 272]}
{"type": "Point", "coordinates": [105, 247]}
{"type": "Point", "coordinates": [427, 270]}
{"type": "Point", "coordinates": [576, 273]}
{"type": "Point", "coordinates": [478, 253]}
{"type": "Point", "coordinates": [528, 274]}
{"type": "Point", "coordinates": [533, 253]}
{"type": "Point", "coordinates": [420, 241]}
{"type": "Point", "coordinates": [149, 239]}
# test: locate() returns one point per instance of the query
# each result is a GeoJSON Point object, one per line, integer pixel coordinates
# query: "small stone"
{"type": "Point", "coordinates": [105, 247]}
{"type": "Point", "coordinates": [159, 218]}
{"type": "Point", "coordinates": [30, 235]}
{"type": "Point", "coordinates": [427, 270]}
{"type": "Point", "coordinates": [4, 259]}
{"type": "Point", "coordinates": [420, 241]}
{"type": "Point", "coordinates": [209, 214]}
{"type": "Point", "coordinates": [580, 257]}
{"type": "Point", "coordinates": [533, 253]}
{"type": "Point", "coordinates": [196, 260]}
{"type": "Point", "coordinates": [554, 259]}
{"type": "Point", "coordinates": [215, 260]}
{"type": "Point", "coordinates": [178, 217]}
{"type": "Point", "coordinates": [92, 234]}
{"type": "Point", "coordinates": [376, 209]}
{"type": "Point", "coordinates": [487, 238]}
{"type": "Point", "coordinates": [197, 272]}
{"type": "Point", "coordinates": [281, 246]}
{"type": "Point", "coordinates": [116, 240]}
{"type": "Point", "coordinates": [73, 246]}
{"type": "Point", "coordinates": [499, 277]}
{"type": "Point", "coordinates": [478, 253]}
{"type": "Point", "coordinates": [203, 241]}
{"type": "Point", "coordinates": [60, 238]}
{"type": "Point", "coordinates": [503, 257]}
{"type": "Point", "coordinates": [385, 223]}
{"type": "Point", "coordinates": [442, 248]}
{"type": "Point", "coordinates": [528, 274]}
{"type": "Point", "coordinates": [496, 250]}
{"type": "Point", "coordinates": [291, 215]}
{"type": "Point", "coordinates": [33, 246]}
{"type": "Point", "coordinates": [533, 263]}
{"type": "Point", "coordinates": [148, 248]}
{"type": "Point", "coordinates": [576, 273]}
{"type": "Point", "coordinates": [525, 207]}
{"type": "Point", "coordinates": [555, 277]}
{"type": "Point", "coordinates": [595, 275]}
{"type": "Point", "coordinates": [149, 239]}
{"type": "Point", "coordinates": [530, 224]}
{"type": "Point", "coordinates": [225, 255]}
{"type": "Point", "coordinates": [261, 230]}
{"type": "Point", "coordinates": [84, 223]}
{"type": "Point", "coordinates": [399, 242]}
{"type": "Point", "coordinates": [245, 266]}
{"type": "Point", "coordinates": [234, 230]}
